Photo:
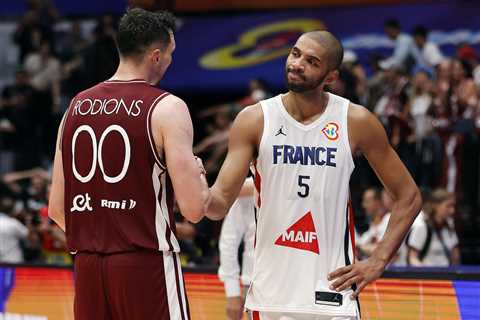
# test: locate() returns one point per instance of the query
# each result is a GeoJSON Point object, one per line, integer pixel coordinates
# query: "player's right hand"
{"type": "Point", "coordinates": [235, 308]}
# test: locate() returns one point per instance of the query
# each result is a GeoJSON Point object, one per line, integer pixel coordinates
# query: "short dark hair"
{"type": "Point", "coordinates": [331, 44]}
{"type": "Point", "coordinates": [139, 28]}
{"type": "Point", "coordinates": [392, 23]}
{"type": "Point", "coordinates": [420, 31]}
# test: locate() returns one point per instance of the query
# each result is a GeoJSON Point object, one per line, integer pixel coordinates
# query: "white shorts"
{"type": "Point", "coordinates": [256, 315]}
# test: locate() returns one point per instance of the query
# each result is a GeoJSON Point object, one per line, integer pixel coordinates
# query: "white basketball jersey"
{"type": "Point", "coordinates": [304, 223]}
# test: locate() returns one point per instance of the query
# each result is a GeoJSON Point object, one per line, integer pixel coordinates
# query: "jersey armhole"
{"type": "Point", "coordinates": [64, 120]}
{"type": "Point", "coordinates": [264, 109]}
{"type": "Point", "coordinates": [151, 140]}
{"type": "Point", "coordinates": [347, 138]}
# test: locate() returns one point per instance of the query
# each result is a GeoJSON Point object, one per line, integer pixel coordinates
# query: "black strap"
{"type": "Point", "coordinates": [428, 241]}
{"type": "Point", "coordinates": [444, 246]}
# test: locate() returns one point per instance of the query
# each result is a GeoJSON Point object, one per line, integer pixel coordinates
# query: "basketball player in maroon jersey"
{"type": "Point", "coordinates": [123, 149]}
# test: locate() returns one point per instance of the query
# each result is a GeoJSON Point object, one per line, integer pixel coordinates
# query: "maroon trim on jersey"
{"type": "Point", "coordinates": [177, 279]}
{"type": "Point", "coordinates": [350, 235]}
{"type": "Point", "coordinates": [186, 299]}
{"type": "Point", "coordinates": [64, 119]}
{"type": "Point", "coordinates": [167, 227]}
{"type": "Point", "coordinates": [352, 227]}
{"type": "Point", "coordinates": [156, 156]}
{"type": "Point", "coordinates": [170, 197]}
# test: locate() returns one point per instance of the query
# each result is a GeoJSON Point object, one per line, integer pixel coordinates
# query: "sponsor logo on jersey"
{"type": "Point", "coordinates": [301, 235]}
{"type": "Point", "coordinates": [81, 202]}
{"type": "Point", "coordinates": [118, 205]}
{"type": "Point", "coordinates": [315, 156]}
{"type": "Point", "coordinates": [331, 131]}
{"type": "Point", "coordinates": [281, 132]}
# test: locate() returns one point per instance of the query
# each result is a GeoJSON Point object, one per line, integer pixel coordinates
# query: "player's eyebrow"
{"type": "Point", "coordinates": [308, 55]}
{"type": "Point", "coordinates": [317, 59]}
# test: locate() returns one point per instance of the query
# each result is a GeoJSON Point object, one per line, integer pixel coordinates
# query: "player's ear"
{"type": "Point", "coordinates": [156, 56]}
{"type": "Point", "coordinates": [331, 77]}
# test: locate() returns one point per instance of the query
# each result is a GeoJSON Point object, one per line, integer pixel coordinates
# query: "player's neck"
{"type": "Point", "coordinates": [128, 70]}
{"type": "Point", "coordinates": [305, 106]}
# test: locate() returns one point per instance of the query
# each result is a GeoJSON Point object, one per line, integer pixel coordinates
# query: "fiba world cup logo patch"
{"type": "Point", "coordinates": [331, 131]}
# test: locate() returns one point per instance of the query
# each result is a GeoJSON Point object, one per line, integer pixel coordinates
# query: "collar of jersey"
{"type": "Point", "coordinates": [300, 125]}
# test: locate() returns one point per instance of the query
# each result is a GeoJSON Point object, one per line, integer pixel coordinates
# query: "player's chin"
{"type": "Point", "coordinates": [296, 87]}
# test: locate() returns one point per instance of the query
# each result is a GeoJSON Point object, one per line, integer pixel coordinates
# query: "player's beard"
{"type": "Point", "coordinates": [305, 84]}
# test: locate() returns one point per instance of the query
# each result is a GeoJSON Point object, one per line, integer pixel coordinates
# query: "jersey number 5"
{"type": "Point", "coordinates": [304, 187]}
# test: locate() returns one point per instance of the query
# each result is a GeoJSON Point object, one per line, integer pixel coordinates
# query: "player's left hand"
{"type": "Point", "coordinates": [360, 273]}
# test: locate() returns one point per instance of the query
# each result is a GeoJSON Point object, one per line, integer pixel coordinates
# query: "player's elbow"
{"type": "Point", "coordinates": [193, 211]}
{"type": "Point", "coordinates": [194, 216]}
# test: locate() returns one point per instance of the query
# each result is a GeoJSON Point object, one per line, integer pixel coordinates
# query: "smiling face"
{"type": "Point", "coordinates": [306, 66]}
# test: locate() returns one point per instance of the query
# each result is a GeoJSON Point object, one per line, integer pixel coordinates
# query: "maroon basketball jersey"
{"type": "Point", "coordinates": [118, 196]}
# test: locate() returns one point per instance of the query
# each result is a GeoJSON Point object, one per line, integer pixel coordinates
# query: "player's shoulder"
{"type": "Point", "coordinates": [170, 99]}
{"type": "Point", "coordinates": [169, 105]}
{"type": "Point", "coordinates": [252, 114]}
{"type": "Point", "coordinates": [361, 119]}
{"type": "Point", "coordinates": [358, 114]}
{"type": "Point", "coordinates": [248, 124]}
{"type": "Point", "coordinates": [364, 128]}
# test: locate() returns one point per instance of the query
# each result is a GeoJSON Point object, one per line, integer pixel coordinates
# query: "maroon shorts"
{"type": "Point", "coordinates": [129, 286]}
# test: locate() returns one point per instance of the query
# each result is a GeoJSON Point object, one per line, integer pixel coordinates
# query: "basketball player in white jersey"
{"type": "Point", "coordinates": [301, 144]}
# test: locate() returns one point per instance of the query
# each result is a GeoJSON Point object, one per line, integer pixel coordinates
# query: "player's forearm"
{"type": "Point", "coordinates": [218, 206]}
{"type": "Point", "coordinates": [194, 201]}
{"type": "Point", "coordinates": [404, 212]}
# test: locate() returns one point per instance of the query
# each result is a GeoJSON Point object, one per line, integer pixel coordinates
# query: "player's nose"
{"type": "Point", "coordinates": [296, 66]}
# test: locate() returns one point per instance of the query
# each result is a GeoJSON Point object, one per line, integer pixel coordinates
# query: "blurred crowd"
{"type": "Point", "coordinates": [428, 103]}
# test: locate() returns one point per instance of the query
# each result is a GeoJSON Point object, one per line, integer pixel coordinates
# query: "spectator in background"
{"type": "Point", "coordinates": [257, 90]}
{"type": "Point", "coordinates": [238, 226]}
{"type": "Point", "coordinates": [376, 83]}
{"type": "Point", "coordinates": [431, 54]}
{"type": "Point", "coordinates": [405, 54]}
{"type": "Point", "coordinates": [29, 35]}
{"type": "Point", "coordinates": [352, 83]}
{"type": "Point", "coordinates": [377, 214]}
{"type": "Point", "coordinates": [44, 70]}
{"type": "Point", "coordinates": [216, 143]}
{"type": "Point", "coordinates": [46, 10]}
{"type": "Point", "coordinates": [19, 125]}
{"type": "Point", "coordinates": [71, 48]}
{"type": "Point", "coordinates": [35, 27]}
{"type": "Point", "coordinates": [12, 232]}
{"type": "Point", "coordinates": [454, 108]}
{"type": "Point", "coordinates": [433, 241]}
{"type": "Point", "coordinates": [101, 57]}
{"type": "Point", "coordinates": [393, 113]}
{"type": "Point", "coordinates": [428, 146]}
